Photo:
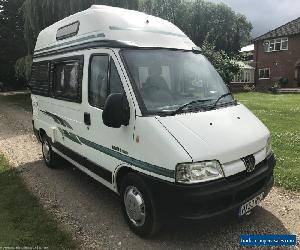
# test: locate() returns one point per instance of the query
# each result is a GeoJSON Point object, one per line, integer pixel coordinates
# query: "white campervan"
{"type": "Point", "coordinates": [130, 100]}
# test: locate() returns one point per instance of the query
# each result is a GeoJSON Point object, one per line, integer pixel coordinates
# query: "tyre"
{"type": "Point", "coordinates": [138, 206]}
{"type": "Point", "coordinates": [50, 157]}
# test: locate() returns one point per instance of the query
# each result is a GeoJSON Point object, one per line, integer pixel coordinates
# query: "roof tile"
{"type": "Point", "coordinates": [288, 29]}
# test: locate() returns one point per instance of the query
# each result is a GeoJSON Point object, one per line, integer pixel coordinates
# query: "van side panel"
{"type": "Point", "coordinates": [96, 149]}
{"type": "Point", "coordinates": [63, 121]}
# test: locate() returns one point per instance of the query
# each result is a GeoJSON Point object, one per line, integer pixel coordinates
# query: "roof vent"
{"type": "Point", "coordinates": [67, 31]}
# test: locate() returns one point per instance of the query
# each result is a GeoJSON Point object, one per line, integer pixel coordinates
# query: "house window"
{"type": "Point", "coordinates": [284, 44]}
{"type": "Point", "coordinates": [244, 76]}
{"type": "Point", "coordinates": [276, 44]}
{"type": "Point", "coordinates": [267, 46]}
{"type": "Point", "coordinates": [264, 73]}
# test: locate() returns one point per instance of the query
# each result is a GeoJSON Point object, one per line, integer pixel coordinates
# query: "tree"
{"type": "Point", "coordinates": [170, 10]}
{"type": "Point", "coordinates": [38, 14]}
{"type": "Point", "coordinates": [11, 38]}
{"type": "Point", "coordinates": [23, 68]}
{"type": "Point", "coordinates": [224, 64]}
{"type": "Point", "coordinates": [204, 21]}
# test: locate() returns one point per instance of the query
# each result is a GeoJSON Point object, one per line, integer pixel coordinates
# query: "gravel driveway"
{"type": "Point", "coordinates": [92, 213]}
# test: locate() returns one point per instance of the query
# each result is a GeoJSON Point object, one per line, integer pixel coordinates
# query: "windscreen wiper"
{"type": "Point", "coordinates": [177, 111]}
{"type": "Point", "coordinates": [219, 99]}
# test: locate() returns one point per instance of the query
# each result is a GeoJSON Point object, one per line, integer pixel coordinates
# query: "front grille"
{"type": "Point", "coordinates": [249, 162]}
{"type": "Point", "coordinates": [245, 174]}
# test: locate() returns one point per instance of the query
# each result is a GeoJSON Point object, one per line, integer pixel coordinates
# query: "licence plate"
{"type": "Point", "coordinates": [245, 208]}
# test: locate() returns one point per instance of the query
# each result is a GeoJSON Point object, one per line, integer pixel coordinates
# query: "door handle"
{"type": "Point", "coordinates": [87, 119]}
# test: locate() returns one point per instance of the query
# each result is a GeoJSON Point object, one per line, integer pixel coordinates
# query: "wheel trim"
{"type": "Point", "coordinates": [46, 151]}
{"type": "Point", "coordinates": [135, 206]}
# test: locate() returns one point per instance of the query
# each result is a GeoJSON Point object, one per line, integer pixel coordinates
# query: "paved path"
{"type": "Point", "coordinates": [18, 92]}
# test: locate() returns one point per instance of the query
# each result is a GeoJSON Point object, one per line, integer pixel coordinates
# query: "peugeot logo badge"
{"type": "Point", "coordinates": [249, 162]}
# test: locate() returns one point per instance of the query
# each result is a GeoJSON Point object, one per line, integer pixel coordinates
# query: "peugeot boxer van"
{"type": "Point", "coordinates": [130, 100]}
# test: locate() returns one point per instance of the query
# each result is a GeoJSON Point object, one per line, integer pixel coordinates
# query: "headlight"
{"type": "Point", "coordinates": [198, 172]}
{"type": "Point", "coordinates": [269, 147]}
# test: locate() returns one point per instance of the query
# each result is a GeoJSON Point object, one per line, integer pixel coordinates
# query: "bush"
{"type": "Point", "coordinates": [23, 68]}
{"type": "Point", "coordinates": [283, 81]}
{"type": "Point", "coordinates": [249, 88]}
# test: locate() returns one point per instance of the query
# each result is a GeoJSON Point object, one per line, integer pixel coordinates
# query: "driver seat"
{"type": "Point", "coordinates": [155, 79]}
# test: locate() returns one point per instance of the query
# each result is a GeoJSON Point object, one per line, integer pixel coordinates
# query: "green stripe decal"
{"type": "Point", "coordinates": [58, 119]}
{"type": "Point", "coordinates": [132, 161]}
{"type": "Point", "coordinates": [140, 164]}
{"type": "Point", "coordinates": [71, 136]}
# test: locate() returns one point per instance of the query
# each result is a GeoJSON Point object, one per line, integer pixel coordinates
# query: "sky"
{"type": "Point", "coordinates": [265, 15]}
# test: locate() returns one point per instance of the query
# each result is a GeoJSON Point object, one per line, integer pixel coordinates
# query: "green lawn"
{"type": "Point", "coordinates": [281, 114]}
{"type": "Point", "coordinates": [23, 222]}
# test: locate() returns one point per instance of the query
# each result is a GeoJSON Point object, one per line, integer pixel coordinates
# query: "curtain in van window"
{"type": "Point", "coordinates": [66, 80]}
{"type": "Point", "coordinates": [71, 80]}
{"type": "Point", "coordinates": [59, 79]}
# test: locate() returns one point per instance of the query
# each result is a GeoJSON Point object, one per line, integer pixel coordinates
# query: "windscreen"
{"type": "Point", "coordinates": [168, 79]}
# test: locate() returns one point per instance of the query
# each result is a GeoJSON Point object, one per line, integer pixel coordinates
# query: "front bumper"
{"type": "Point", "coordinates": [211, 199]}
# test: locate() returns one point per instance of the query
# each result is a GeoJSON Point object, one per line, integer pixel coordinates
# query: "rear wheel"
{"type": "Point", "coordinates": [50, 157]}
{"type": "Point", "coordinates": [138, 206]}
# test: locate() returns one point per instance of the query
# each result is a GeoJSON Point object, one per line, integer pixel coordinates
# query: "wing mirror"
{"type": "Point", "coordinates": [116, 111]}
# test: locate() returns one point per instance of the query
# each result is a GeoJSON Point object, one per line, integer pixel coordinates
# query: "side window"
{"type": "Point", "coordinates": [100, 87]}
{"type": "Point", "coordinates": [66, 80]}
{"type": "Point", "coordinates": [98, 80]}
{"type": "Point", "coordinates": [115, 81]}
{"type": "Point", "coordinates": [39, 83]}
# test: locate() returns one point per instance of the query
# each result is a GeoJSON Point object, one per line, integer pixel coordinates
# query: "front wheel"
{"type": "Point", "coordinates": [138, 206]}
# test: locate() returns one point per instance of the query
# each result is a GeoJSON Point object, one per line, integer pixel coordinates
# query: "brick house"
{"type": "Point", "coordinates": [277, 57]}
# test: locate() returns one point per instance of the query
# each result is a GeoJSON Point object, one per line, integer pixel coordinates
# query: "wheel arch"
{"type": "Point", "coordinates": [120, 173]}
{"type": "Point", "coordinates": [42, 133]}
